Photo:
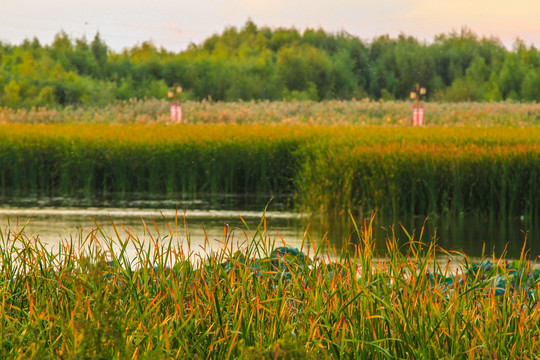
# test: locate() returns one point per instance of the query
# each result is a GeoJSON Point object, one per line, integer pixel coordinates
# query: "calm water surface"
{"type": "Point", "coordinates": [205, 228]}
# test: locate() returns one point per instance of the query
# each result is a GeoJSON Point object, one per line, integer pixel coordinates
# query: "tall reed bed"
{"type": "Point", "coordinates": [330, 169]}
{"type": "Point", "coordinates": [88, 299]}
{"type": "Point", "coordinates": [363, 112]}
{"type": "Point", "coordinates": [68, 159]}
{"type": "Point", "coordinates": [432, 171]}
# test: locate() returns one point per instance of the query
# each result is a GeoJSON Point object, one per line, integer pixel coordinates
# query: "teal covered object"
{"type": "Point", "coordinates": [500, 277]}
{"type": "Point", "coordinates": [280, 262]}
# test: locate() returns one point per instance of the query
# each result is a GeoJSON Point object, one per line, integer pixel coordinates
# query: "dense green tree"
{"type": "Point", "coordinates": [99, 50]}
{"type": "Point", "coordinates": [511, 77]}
{"type": "Point", "coordinates": [345, 81]}
{"type": "Point", "coordinates": [300, 66]}
{"type": "Point", "coordinates": [382, 75]}
{"type": "Point", "coordinates": [12, 94]}
{"type": "Point", "coordinates": [283, 37]}
{"type": "Point", "coordinates": [260, 63]}
{"type": "Point", "coordinates": [530, 88]}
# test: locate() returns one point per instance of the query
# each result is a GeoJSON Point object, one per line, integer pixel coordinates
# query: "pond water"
{"type": "Point", "coordinates": [204, 227]}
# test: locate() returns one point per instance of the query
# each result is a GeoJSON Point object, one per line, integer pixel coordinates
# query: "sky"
{"type": "Point", "coordinates": [174, 24]}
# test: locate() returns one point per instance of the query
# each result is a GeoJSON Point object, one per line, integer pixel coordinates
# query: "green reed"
{"type": "Point", "coordinates": [118, 296]}
{"type": "Point", "coordinates": [329, 169]}
{"type": "Point", "coordinates": [421, 177]}
{"type": "Point", "coordinates": [69, 159]}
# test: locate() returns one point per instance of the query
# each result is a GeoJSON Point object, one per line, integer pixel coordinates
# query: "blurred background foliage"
{"type": "Point", "coordinates": [261, 63]}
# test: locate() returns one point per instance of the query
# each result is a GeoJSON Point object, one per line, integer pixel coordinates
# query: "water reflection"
{"type": "Point", "coordinates": [205, 228]}
{"type": "Point", "coordinates": [475, 236]}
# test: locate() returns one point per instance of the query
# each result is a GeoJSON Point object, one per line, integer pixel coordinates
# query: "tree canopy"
{"type": "Point", "coordinates": [261, 63]}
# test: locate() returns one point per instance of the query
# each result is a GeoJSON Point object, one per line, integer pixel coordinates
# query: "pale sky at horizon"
{"type": "Point", "coordinates": [173, 25]}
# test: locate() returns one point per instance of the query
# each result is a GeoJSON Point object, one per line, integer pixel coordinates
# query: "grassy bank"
{"type": "Point", "coordinates": [398, 171]}
{"type": "Point", "coordinates": [86, 299]}
{"type": "Point", "coordinates": [363, 112]}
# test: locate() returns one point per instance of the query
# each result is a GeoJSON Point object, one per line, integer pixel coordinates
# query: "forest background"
{"type": "Point", "coordinates": [260, 63]}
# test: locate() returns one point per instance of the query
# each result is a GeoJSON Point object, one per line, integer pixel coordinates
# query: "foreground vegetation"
{"type": "Point", "coordinates": [395, 170]}
{"type": "Point", "coordinates": [260, 63]}
{"type": "Point", "coordinates": [92, 297]}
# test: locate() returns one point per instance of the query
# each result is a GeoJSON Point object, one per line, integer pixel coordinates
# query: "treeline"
{"type": "Point", "coordinates": [260, 63]}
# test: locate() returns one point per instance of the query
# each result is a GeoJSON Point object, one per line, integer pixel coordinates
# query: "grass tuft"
{"type": "Point", "coordinates": [88, 298]}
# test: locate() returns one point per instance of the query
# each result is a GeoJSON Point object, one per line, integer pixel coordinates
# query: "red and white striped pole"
{"type": "Point", "coordinates": [176, 106]}
{"type": "Point", "coordinates": [418, 110]}
{"type": "Point", "coordinates": [176, 112]}
{"type": "Point", "coordinates": [418, 115]}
